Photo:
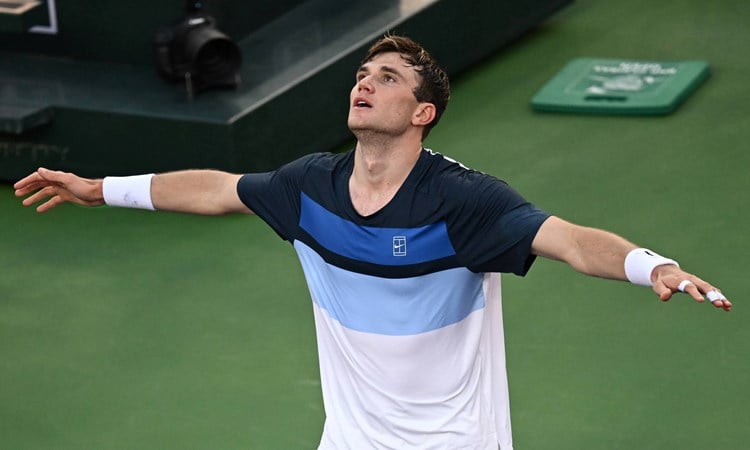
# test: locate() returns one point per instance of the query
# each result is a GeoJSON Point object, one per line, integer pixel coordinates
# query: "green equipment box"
{"type": "Point", "coordinates": [615, 86]}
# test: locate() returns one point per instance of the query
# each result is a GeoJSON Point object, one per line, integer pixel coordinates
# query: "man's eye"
{"type": "Point", "coordinates": [388, 78]}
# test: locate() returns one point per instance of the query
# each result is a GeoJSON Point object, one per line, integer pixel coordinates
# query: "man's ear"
{"type": "Point", "coordinates": [424, 114]}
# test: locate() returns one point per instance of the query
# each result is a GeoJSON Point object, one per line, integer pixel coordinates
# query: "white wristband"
{"type": "Point", "coordinates": [128, 192]}
{"type": "Point", "coordinates": [639, 264]}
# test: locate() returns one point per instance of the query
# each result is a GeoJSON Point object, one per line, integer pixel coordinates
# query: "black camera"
{"type": "Point", "coordinates": [195, 52]}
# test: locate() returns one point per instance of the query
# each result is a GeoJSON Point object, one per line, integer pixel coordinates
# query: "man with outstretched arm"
{"type": "Point", "coordinates": [401, 248]}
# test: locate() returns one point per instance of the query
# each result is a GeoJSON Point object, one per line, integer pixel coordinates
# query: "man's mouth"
{"type": "Point", "coordinates": [359, 103]}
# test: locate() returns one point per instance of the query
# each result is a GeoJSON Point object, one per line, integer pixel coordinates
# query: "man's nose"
{"type": "Point", "coordinates": [365, 83]}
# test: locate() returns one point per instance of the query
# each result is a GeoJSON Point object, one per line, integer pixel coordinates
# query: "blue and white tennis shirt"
{"type": "Point", "coordinates": [407, 300]}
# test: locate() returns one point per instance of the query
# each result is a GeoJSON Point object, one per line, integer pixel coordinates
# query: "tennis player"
{"type": "Point", "coordinates": [401, 248]}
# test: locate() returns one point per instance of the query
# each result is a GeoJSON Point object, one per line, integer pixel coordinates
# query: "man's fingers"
{"type": "Point", "coordinates": [663, 291]}
{"type": "Point", "coordinates": [29, 179]}
{"type": "Point", "coordinates": [695, 288]}
{"type": "Point", "coordinates": [49, 204]}
{"type": "Point", "coordinates": [692, 290]}
{"type": "Point", "coordinates": [47, 186]}
{"type": "Point", "coordinates": [36, 181]}
{"type": "Point", "coordinates": [699, 288]}
{"type": "Point", "coordinates": [718, 299]}
{"type": "Point", "coordinates": [41, 194]}
{"type": "Point", "coordinates": [30, 186]}
{"type": "Point", "coordinates": [52, 175]}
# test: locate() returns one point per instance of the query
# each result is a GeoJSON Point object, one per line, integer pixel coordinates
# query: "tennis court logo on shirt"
{"type": "Point", "coordinates": [399, 245]}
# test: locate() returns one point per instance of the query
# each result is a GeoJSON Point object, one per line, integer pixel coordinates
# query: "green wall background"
{"type": "Point", "coordinates": [123, 31]}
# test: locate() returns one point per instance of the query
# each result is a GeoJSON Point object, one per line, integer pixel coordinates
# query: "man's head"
{"type": "Point", "coordinates": [432, 82]}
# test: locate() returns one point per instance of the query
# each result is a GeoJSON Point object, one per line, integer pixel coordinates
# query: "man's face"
{"type": "Point", "coordinates": [382, 99]}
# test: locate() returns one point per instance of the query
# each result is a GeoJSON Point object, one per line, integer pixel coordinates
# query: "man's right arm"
{"type": "Point", "coordinates": [207, 192]}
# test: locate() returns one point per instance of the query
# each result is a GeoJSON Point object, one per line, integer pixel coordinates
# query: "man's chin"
{"type": "Point", "coordinates": [358, 127]}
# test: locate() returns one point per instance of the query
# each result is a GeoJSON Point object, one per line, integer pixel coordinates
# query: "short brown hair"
{"type": "Point", "coordinates": [434, 86]}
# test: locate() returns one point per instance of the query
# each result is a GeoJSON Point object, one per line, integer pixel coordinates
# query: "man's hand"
{"type": "Point", "coordinates": [668, 278]}
{"type": "Point", "coordinates": [54, 188]}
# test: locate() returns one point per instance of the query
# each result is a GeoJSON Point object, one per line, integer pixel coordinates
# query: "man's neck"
{"type": "Point", "coordinates": [379, 171]}
{"type": "Point", "coordinates": [375, 165]}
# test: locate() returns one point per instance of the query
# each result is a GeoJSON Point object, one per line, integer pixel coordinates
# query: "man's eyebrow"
{"type": "Point", "coordinates": [387, 69]}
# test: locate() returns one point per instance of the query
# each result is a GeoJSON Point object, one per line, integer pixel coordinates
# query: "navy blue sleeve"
{"type": "Point", "coordinates": [275, 196]}
{"type": "Point", "coordinates": [494, 226]}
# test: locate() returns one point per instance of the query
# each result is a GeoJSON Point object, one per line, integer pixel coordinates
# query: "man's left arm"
{"type": "Point", "coordinates": [604, 254]}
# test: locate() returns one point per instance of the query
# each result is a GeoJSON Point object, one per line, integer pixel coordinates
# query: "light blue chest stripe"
{"type": "Point", "coordinates": [387, 306]}
{"type": "Point", "coordinates": [385, 246]}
